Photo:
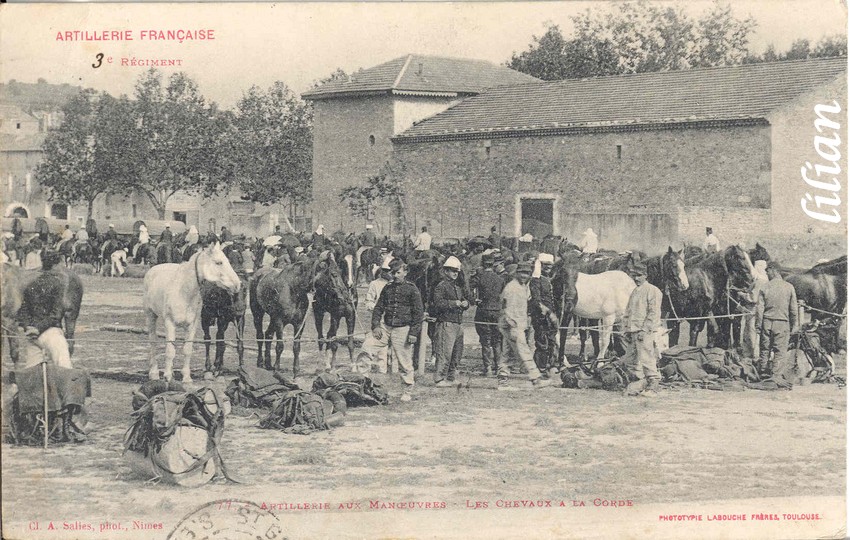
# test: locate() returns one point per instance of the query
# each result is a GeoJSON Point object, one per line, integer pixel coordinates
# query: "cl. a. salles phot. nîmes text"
{"type": "Point", "coordinates": [178, 34]}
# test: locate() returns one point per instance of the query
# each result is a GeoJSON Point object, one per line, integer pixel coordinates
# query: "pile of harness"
{"type": "Point", "coordinates": [292, 410]}
{"type": "Point", "coordinates": [714, 368]}
{"type": "Point", "coordinates": [813, 363]}
{"type": "Point", "coordinates": [23, 410]}
{"type": "Point", "coordinates": [259, 388]}
{"type": "Point", "coordinates": [357, 389]}
{"type": "Point", "coordinates": [707, 367]}
{"type": "Point", "coordinates": [175, 435]}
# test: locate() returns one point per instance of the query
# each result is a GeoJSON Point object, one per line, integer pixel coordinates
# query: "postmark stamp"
{"type": "Point", "coordinates": [231, 519]}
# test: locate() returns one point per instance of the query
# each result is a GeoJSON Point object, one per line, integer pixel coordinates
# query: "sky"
{"type": "Point", "coordinates": [298, 43]}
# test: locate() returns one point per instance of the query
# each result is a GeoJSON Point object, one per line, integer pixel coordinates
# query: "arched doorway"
{"type": "Point", "coordinates": [17, 210]}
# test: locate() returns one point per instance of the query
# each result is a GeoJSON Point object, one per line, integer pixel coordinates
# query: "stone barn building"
{"type": "Point", "coordinates": [645, 159]}
{"type": "Point", "coordinates": [354, 120]}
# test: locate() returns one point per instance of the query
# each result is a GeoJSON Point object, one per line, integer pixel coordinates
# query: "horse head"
{"type": "Point", "coordinates": [564, 278]}
{"type": "Point", "coordinates": [330, 282]}
{"type": "Point", "coordinates": [738, 266]}
{"type": "Point", "coordinates": [212, 265]}
{"type": "Point", "coordinates": [673, 269]}
{"type": "Point", "coordinates": [759, 253]}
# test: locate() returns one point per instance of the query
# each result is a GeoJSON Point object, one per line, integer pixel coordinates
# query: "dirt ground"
{"type": "Point", "coordinates": [687, 451]}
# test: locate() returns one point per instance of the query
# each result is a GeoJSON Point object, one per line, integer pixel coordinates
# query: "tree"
{"type": "Point", "coordinates": [338, 75]}
{"type": "Point", "coordinates": [80, 157]}
{"type": "Point", "coordinates": [636, 38]}
{"type": "Point", "coordinates": [381, 189]}
{"type": "Point", "coordinates": [274, 143]}
{"type": "Point", "coordinates": [176, 141]}
{"type": "Point", "coordinates": [802, 49]}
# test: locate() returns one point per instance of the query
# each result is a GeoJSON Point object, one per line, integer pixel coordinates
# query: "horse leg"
{"type": "Point", "coordinates": [221, 327]}
{"type": "Point", "coordinates": [153, 369]}
{"type": "Point", "coordinates": [605, 334]}
{"type": "Point", "coordinates": [70, 329]}
{"type": "Point", "coordinates": [205, 327]}
{"type": "Point", "coordinates": [673, 336]}
{"type": "Point", "coordinates": [330, 356]}
{"type": "Point", "coordinates": [349, 323]}
{"type": "Point", "coordinates": [268, 336]}
{"type": "Point", "coordinates": [240, 331]}
{"type": "Point", "coordinates": [696, 328]}
{"type": "Point", "coordinates": [278, 342]}
{"type": "Point", "coordinates": [296, 347]}
{"type": "Point", "coordinates": [257, 315]}
{"type": "Point", "coordinates": [188, 346]}
{"type": "Point", "coordinates": [318, 318]}
{"type": "Point", "coordinates": [170, 348]}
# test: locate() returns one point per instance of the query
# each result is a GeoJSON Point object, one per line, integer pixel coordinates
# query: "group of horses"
{"type": "Point", "coordinates": [208, 286]}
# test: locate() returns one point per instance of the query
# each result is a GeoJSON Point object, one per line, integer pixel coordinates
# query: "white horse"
{"type": "Point", "coordinates": [603, 296]}
{"type": "Point", "coordinates": [173, 292]}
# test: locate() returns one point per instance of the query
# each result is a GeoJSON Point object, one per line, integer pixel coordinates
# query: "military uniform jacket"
{"type": "Point", "coordinates": [777, 301]}
{"type": "Point", "coordinates": [487, 286]}
{"type": "Point", "coordinates": [541, 293]}
{"type": "Point", "coordinates": [643, 313]}
{"type": "Point", "coordinates": [399, 304]}
{"type": "Point", "coordinates": [444, 306]}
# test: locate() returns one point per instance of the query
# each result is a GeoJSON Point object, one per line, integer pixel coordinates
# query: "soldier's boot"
{"type": "Point", "coordinates": [487, 358]}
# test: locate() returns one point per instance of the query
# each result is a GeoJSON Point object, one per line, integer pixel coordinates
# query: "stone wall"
{"type": "Point", "coordinates": [455, 183]}
{"type": "Point", "coordinates": [793, 135]}
{"type": "Point", "coordinates": [343, 152]}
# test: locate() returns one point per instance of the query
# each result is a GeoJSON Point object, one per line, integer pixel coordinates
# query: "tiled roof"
{"type": "Point", "coordinates": [9, 111]}
{"type": "Point", "coordinates": [25, 143]}
{"type": "Point", "coordinates": [725, 93]}
{"type": "Point", "coordinates": [418, 73]}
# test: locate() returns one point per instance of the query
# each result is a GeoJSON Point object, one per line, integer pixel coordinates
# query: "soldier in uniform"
{"type": "Point", "coordinates": [486, 286]}
{"type": "Point", "coordinates": [776, 316]}
{"type": "Point", "coordinates": [544, 320]}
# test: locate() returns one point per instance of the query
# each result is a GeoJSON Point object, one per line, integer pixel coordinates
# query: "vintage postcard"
{"type": "Point", "coordinates": [424, 270]}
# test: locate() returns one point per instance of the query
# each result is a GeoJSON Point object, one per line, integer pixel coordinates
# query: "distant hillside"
{"type": "Point", "coordinates": [40, 96]}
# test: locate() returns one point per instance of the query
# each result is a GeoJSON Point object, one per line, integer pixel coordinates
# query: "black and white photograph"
{"type": "Point", "coordinates": [424, 270]}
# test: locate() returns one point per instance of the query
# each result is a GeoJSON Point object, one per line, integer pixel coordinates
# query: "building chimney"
{"type": "Point", "coordinates": [419, 69]}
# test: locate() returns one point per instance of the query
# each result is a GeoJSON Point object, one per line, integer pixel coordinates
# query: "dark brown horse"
{"type": "Point", "coordinates": [823, 290]}
{"type": "Point", "coordinates": [282, 294]}
{"type": "Point", "coordinates": [335, 295]}
{"type": "Point", "coordinates": [15, 279]}
{"type": "Point", "coordinates": [714, 282]}
{"type": "Point", "coordinates": [221, 308]}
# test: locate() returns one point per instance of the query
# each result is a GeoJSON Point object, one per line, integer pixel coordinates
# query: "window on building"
{"type": "Point", "coordinates": [179, 216]}
{"type": "Point", "coordinates": [59, 211]}
{"type": "Point", "coordinates": [11, 183]}
{"type": "Point", "coordinates": [29, 182]}
{"type": "Point", "coordinates": [371, 140]}
{"type": "Point", "coordinates": [18, 125]}
{"type": "Point", "coordinates": [211, 225]}
{"type": "Point", "coordinates": [134, 210]}
{"type": "Point", "coordinates": [619, 151]}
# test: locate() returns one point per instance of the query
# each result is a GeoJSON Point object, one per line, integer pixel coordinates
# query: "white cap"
{"type": "Point", "coordinates": [298, 249]}
{"type": "Point", "coordinates": [368, 225]}
{"type": "Point", "coordinates": [452, 262]}
{"type": "Point", "coordinates": [588, 231]}
{"type": "Point", "coordinates": [168, 225]}
{"type": "Point", "coordinates": [111, 225]}
{"type": "Point", "coordinates": [546, 258]}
